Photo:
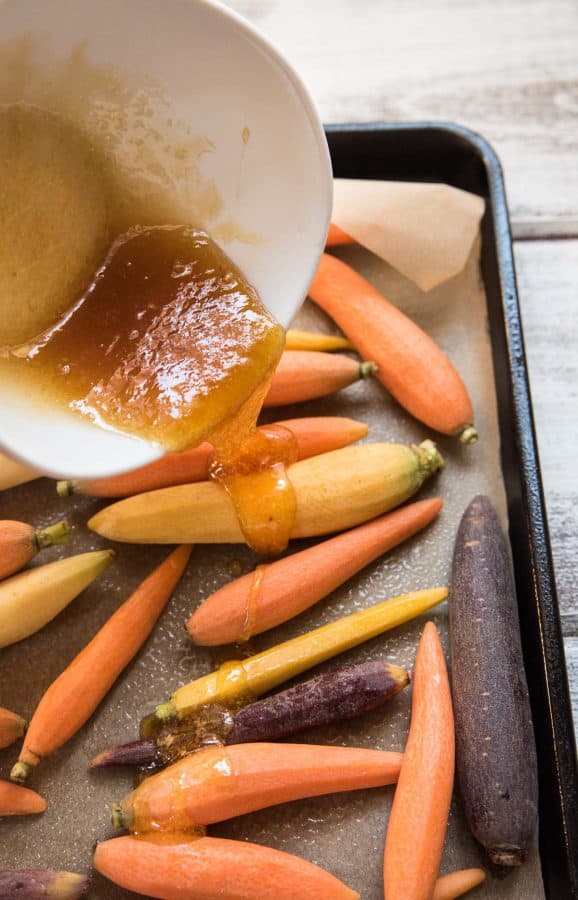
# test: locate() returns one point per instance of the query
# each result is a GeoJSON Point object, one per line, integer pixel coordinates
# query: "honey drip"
{"type": "Point", "coordinates": [251, 464]}
{"type": "Point", "coordinates": [253, 598]}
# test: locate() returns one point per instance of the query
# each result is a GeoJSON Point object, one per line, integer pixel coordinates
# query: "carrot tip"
{"type": "Point", "coordinates": [429, 456]}
{"type": "Point", "coordinates": [20, 772]}
{"type": "Point", "coordinates": [65, 488]}
{"type": "Point", "coordinates": [469, 434]}
{"type": "Point", "coordinates": [166, 710]}
{"type": "Point", "coordinates": [367, 369]}
{"type": "Point", "coordinates": [117, 817]}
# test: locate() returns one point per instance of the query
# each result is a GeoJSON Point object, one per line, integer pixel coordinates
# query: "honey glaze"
{"type": "Point", "coordinates": [251, 464]}
{"type": "Point", "coordinates": [167, 341]}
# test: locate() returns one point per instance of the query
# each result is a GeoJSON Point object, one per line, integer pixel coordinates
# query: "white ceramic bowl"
{"type": "Point", "coordinates": [269, 161]}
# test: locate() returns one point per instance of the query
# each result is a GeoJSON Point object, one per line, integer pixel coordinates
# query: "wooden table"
{"type": "Point", "coordinates": [509, 70]}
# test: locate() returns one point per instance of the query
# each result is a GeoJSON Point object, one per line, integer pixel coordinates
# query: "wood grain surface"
{"type": "Point", "coordinates": [509, 70]}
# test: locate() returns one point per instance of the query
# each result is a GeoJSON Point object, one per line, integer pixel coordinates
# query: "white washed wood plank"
{"type": "Point", "coordinates": [571, 651]}
{"type": "Point", "coordinates": [506, 68]}
{"type": "Point", "coordinates": [547, 272]}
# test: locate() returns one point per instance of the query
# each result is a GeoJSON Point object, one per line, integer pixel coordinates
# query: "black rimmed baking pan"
{"type": "Point", "coordinates": [454, 155]}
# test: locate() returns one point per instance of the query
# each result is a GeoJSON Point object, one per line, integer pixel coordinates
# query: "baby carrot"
{"type": "Point", "coordinates": [268, 596]}
{"type": "Point", "coordinates": [419, 815]}
{"type": "Point", "coordinates": [73, 697]}
{"type": "Point", "coordinates": [211, 868]}
{"type": "Point", "coordinates": [13, 473]}
{"type": "Point", "coordinates": [334, 491]}
{"type": "Point", "coordinates": [307, 374]}
{"type": "Point", "coordinates": [448, 887]}
{"type": "Point", "coordinates": [19, 801]}
{"type": "Point", "coordinates": [261, 673]}
{"type": "Point", "coordinates": [19, 543]}
{"type": "Point", "coordinates": [313, 340]}
{"type": "Point", "coordinates": [31, 599]}
{"type": "Point", "coordinates": [342, 694]}
{"type": "Point", "coordinates": [222, 782]}
{"type": "Point", "coordinates": [337, 235]}
{"type": "Point", "coordinates": [409, 363]}
{"type": "Point", "coordinates": [313, 435]}
{"type": "Point", "coordinates": [12, 727]}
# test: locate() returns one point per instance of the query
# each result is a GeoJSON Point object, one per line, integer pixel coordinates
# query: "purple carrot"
{"type": "Point", "coordinates": [342, 694]}
{"type": "Point", "coordinates": [41, 884]}
{"type": "Point", "coordinates": [135, 753]}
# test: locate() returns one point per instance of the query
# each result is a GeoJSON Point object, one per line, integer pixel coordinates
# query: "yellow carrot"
{"type": "Point", "coordinates": [29, 600]}
{"type": "Point", "coordinates": [334, 491]}
{"type": "Point", "coordinates": [261, 673]}
{"type": "Point", "coordinates": [311, 340]}
{"type": "Point", "coordinates": [73, 697]}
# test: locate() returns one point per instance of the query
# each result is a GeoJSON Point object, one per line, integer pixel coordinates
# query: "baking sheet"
{"type": "Point", "coordinates": [344, 833]}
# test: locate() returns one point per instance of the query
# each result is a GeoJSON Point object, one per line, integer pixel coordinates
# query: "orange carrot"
{"type": "Point", "coordinates": [276, 592]}
{"type": "Point", "coordinates": [410, 364]}
{"type": "Point", "coordinates": [211, 868]}
{"type": "Point", "coordinates": [73, 697]}
{"type": "Point", "coordinates": [337, 235]}
{"type": "Point", "coordinates": [19, 543]}
{"type": "Point", "coordinates": [448, 887]}
{"type": "Point", "coordinates": [314, 435]}
{"type": "Point", "coordinates": [419, 815]}
{"type": "Point", "coordinates": [19, 801]}
{"type": "Point", "coordinates": [307, 374]}
{"type": "Point", "coordinates": [221, 782]}
{"type": "Point", "coordinates": [12, 727]}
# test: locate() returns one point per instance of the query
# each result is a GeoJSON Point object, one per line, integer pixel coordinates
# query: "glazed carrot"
{"type": "Point", "coordinates": [419, 814]}
{"type": "Point", "coordinates": [73, 697]}
{"type": "Point", "coordinates": [313, 340]}
{"type": "Point", "coordinates": [457, 883]}
{"type": "Point", "coordinates": [313, 435]}
{"type": "Point", "coordinates": [341, 694]}
{"type": "Point", "coordinates": [337, 235]}
{"type": "Point", "coordinates": [19, 543]}
{"type": "Point", "coordinates": [259, 674]}
{"type": "Point", "coordinates": [267, 597]}
{"type": "Point", "coordinates": [19, 801]}
{"type": "Point", "coordinates": [409, 363]}
{"type": "Point", "coordinates": [306, 374]}
{"type": "Point", "coordinates": [222, 782]}
{"type": "Point", "coordinates": [12, 727]}
{"type": "Point", "coordinates": [214, 869]}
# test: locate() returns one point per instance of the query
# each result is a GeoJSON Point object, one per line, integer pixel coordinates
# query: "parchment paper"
{"type": "Point", "coordinates": [344, 833]}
